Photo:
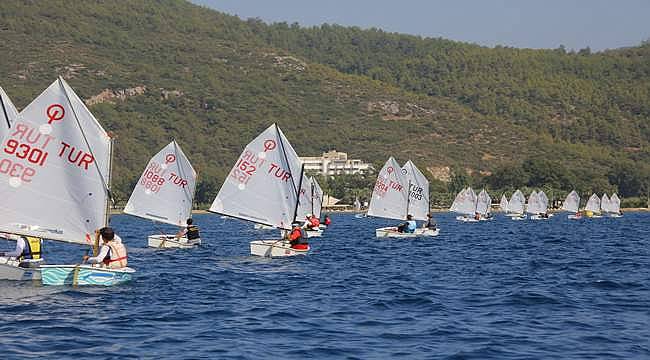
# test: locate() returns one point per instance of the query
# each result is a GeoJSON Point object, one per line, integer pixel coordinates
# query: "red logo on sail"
{"type": "Point", "coordinates": [170, 158]}
{"type": "Point", "coordinates": [269, 145]}
{"type": "Point", "coordinates": [55, 112]}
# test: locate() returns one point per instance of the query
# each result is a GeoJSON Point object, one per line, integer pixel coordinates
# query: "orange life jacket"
{"type": "Point", "coordinates": [117, 257]}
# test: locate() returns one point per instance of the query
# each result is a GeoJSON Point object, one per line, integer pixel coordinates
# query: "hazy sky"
{"type": "Point", "coordinates": [599, 24]}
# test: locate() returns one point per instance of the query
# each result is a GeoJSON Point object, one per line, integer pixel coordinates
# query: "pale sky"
{"type": "Point", "coordinates": [576, 24]}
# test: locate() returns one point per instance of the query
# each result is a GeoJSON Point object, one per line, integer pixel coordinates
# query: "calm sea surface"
{"type": "Point", "coordinates": [503, 289]}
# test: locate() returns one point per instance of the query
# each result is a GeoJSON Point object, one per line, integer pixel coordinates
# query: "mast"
{"type": "Point", "coordinates": [4, 111]}
{"type": "Point", "coordinates": [408, 200]}
{"type": "Point", "coordinates": [286, 162]}
{"type": "Point", "coordinates": [302, 171]}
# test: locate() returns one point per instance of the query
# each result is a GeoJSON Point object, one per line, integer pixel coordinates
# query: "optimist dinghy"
{"type": "Point", "coordinates": [516, 206]}
{"type": "Point", "coordinates": [60, 187]}
{"type": "Point", "coordinates": [262, 187]}
{"type": "Point", "coordinates": [164, 194]}
{"type": "Point", "coordinates": [401, 191]}
{"type": "Point", "coordinates": [592, 209]}
{"type": "Point", "coordinates": [310, 203]}
{"type": "Point", "coordinates": [613, 206]}
{"type": "Point", "coordinates": [465, 204]}
{"type": "Point", "coordinates": [572, 205]}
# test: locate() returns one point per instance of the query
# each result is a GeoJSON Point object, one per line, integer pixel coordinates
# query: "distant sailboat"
{"type": "Point", "coordinates": [465, 204]}
{"type": "Point", "coordinates": [592, 209]}
{"type": "Point", "coordinates": [484, 205]}
{"type": "Point", "coordinates": [399, 192]}
{"type": "Point", "coordinates": [516, 206]}
{"type": "Point", "coordinates": [614, 207]}
{"type": "Point", "coordinates": [263, 187]}
{"type": "Point", "coordinates": [572, 204]}
{"type": "Point", "coordinates": [164, 193]}
{"type": "Point", "coordinates": [60, 190]}
{"type": "Point", "coordinates": [540, 209]}
{"type": "Point", "coordinates": [310, 203]}
{"type": "Point", "coordinates": [503, 205]}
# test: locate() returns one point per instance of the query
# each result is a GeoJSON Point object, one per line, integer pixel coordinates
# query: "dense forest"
{"type": "Point", "coordinates": [494, 117]}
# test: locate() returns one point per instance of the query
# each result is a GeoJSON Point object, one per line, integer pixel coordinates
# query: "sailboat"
{"type": "Point", "coordinates": [503, 205]}
{"type": "Point", "coordinates": [540, 206]}
{"type": "Point", "coordinates": [465, 204]}
{"type": "Point", "coordinates": [310, 203]}
{"type": "Point", "coordinates": [263, 187]}
{"type": "Point", "coordinates": [400, 192]}
{"type": "Point", "coordinates": [592, 209]}
{"type": "Point", "coordinates": [164, 194]}
{"type": "Point", "coordinates": [572, 204]}
{"type": "Point", "coordinates": [614, 206]}
{"type": "Point", "coordinates": [516, 206]}
{"type": "Point", "coordinates": [56, 186]}
{"type": "Point", "coordinates": [483, 205]}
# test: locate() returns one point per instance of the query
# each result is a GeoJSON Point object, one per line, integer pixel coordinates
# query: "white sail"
{"type": "Point", "coordinates": [466, 202]}
{"type": "Point", "coordinates": [458, 200]}
{"type": "Point", "coordinates": [543, 202]}
{"type": "Point", "coordinates": [418, 203]}
{"type": "Point", "coordinates": [593, 204]}
{"type": "Point", "coordinates": [317, 195]}
{"type": "Point", "coordinates": [605, 204]}
{"type": "Point", "coordinates": [484, 202]}
{"type": "Point", "coordinates": [390, 194]}
{"type": "Point", "coordinates": [305, 199]}
{"type": "Point", "coordinates": [503, 205]}
{"type": "Point", "coordinates": [615, 204]}
{"type": "Point", "coordinates": [532, 206]}
{"type": "Point", "coordinates": [357, 204]}
{"type": "Point", "coordinates": [572, 202]}
{"type": "Point", "coordinates": [263, 184]}
{"type": "Point", "coordinates": [516, 204]}
{"type": "Point", "coordinates": [55, 169]}
{"type": "Point", "coordinates": [8, 114]}
{"type": "Point", "coordinates": [165, 190]}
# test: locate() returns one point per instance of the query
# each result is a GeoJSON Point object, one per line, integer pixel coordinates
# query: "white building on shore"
{"type": "Point", "coordinates": [335, 163]}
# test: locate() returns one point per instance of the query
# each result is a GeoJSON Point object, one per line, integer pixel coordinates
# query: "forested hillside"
{"type": "Point", "coordinates": [153, 70]}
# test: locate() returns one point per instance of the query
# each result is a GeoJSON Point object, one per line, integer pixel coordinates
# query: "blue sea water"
{"type": "Point", "coordinates": [503, 289]}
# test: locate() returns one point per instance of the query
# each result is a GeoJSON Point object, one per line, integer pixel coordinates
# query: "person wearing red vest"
{"type": "Point", "coordinates": [312, 222]}
{"type": "Point", "coordinates": [112, 254]}
{"type": "Point", "coordinates": [298, 238]}
{"type": "Point", "coordinates": [327, 221]}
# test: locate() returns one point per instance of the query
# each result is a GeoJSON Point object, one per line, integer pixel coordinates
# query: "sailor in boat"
{"type": "Point", "coordinates": [191, 232]}
{"type": "Point", "coordinates": [297, 237]}
{"type": "Point", "coordinates": [112, 254]}
{"type": "Point", "coordinates": [312, 223]}
{"type": "Point", "coordinates": [409, 226]}
{"type": "Point", "coordinates": [477, 216]}
{"type": "Point", "coordinates": [431, 223]}
{"type": "Point", "coordinates": [27, 252]}
{"type": "Point", "coordinates": [327, 221]}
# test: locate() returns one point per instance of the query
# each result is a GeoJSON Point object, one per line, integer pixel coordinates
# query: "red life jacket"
{"type": "Point", "coordinates": [314, 222]}
{"type": "Point", "coordinates": [328, 221]}
{"type": "Point", "coordinates": [295, 234]}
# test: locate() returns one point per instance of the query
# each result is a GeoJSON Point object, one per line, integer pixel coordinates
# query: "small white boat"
{"type": "Point", "coordinates": [516, 206]}
{"type": "Point", "coordinates": [67, 197]}
{"type": "Point", "coordinates": [592, 209]}
{"type": "Point", "coordinates": [164, 193]}
{"type": "Point", "coordinates": [171, 241]}
{"type": "Point", "coordinates": [391, 232]}
{"type": "Point", "coordinates": [400, 192]}
{"type": "Point", "coordinates": [572, 205]}
{"type": "Point", "coordinates": [78, 275]}
{"type": "Point", "coordinates": [275, 248]}
{"type": "Point", "coordinates": [263, 187]}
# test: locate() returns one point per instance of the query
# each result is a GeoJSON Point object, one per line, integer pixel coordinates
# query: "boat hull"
{"type": "Point", "coordinates": [86, 275]}
{"type": "Point", "coordinates": [391, 232]}
{"type": "Point", "coordinates": [170, 242]}
{"type": "Point", "coordinates": [275, 248]}
{"type": "Point", "coordinates": [314, 233]}
{"type": "Point", "coordinates": [574, 217]}
{"type": "Point", "coordinates": [262, 227]}
{"type": "Point", "coordinates": [9, 270]}
{"type": "Point", "coordinates": [466, 219]}
{"type": "Point", "coordinates": [538, 217]}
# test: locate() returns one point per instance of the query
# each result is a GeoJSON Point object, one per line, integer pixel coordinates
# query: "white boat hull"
{"type": "Point", "coordinates": [466, 219]}
{"type": "Point", "coordinates": [574, 217]}
{"type": "Point", "coordinates": [538, 217]}
{"type": "Point", "coordinates": [518, 217]}
{"type": "Point", "coordinates": [322, 226]}
{"type": "Point", "coordinates": [262, 227]}
{"type": "Point", "coordinates": [274, 248]}
{"type": "Point", "coordinates": [171, 242]}
{"type": "Point", "coordinates": [83, 275]}
{"type": "Point", "coordinates": [314, 233]}
{"type": "Point", "coordinates": [391, 232]}
{"type": "Point", "coordinates": [9, 270]}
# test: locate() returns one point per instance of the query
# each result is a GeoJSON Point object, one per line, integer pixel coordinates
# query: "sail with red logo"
{"type": "Point", "coordinates": [164, 193]}
{"type": "Point", "coordinates": [55, 168]}
{"type": "Point", "coordinates": [263, 187]}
